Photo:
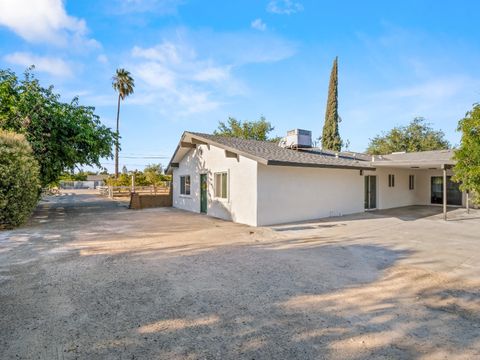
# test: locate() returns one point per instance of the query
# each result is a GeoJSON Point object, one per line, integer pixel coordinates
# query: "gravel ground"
{"type": "Point", "coordinates": [89, 279]}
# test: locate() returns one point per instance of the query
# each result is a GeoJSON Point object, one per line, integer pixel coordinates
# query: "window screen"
{"type": "Point", "coordinates": [411, 182]}
{"type": "Point", "coordinates": [391, 180]}
{"type": "Point", "coordinates": [185, 185]}
{"type": "Point", "coordinates": [221, 184]}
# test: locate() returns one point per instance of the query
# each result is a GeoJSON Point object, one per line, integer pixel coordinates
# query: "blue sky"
{"type": "Point", "coordinates": [198, 62]}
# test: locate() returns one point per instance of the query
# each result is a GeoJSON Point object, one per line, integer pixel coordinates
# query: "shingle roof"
{"type": "Point", "coordinates": [440, 156]}
{"type": "Point", "coordinates": [271, 154]}
{"type": "Point", "coordinates": [343, 154]}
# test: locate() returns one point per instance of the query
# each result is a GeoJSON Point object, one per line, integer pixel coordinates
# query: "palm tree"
{"type": "Point", "coordinates": [123, 83]}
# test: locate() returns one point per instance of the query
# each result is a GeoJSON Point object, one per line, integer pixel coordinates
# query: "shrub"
{"type": "Point", "coordinates": [19, 180]}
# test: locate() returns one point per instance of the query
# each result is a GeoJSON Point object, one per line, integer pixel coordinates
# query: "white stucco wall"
{"type": "Point", "coordinates": [266, 195]}
{"type": "Point", "coordinates": [287, 194]}
{"type": "Point", "coordinates": [400, 195]}
{"type": "Point", "coordinates": [240, 205]}
{"type": "Point", "coordinates": [424, 185]}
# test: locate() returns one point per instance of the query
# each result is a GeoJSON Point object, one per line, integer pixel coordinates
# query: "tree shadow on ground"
{"type": "Point", "coordinates": [202, 296]}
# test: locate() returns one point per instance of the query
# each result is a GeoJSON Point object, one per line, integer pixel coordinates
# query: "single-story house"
{"type": "Point", "coordinates": [263, 183]}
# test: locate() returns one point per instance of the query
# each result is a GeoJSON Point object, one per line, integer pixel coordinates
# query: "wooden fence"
{"type": "Point", "coordinates": [126, 191]}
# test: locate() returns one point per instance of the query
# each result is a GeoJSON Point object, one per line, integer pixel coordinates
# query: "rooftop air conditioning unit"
{"type": "Point", "coordinates": [297, 138]}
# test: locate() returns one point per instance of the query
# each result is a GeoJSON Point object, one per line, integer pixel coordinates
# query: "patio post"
{"type": "Point", "coordinates": [444, 192]}
{"type": "Point", "coordinates": [467, 202]}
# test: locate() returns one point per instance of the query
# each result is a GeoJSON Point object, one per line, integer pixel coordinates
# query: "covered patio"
{"type": "Point", "coordinates": [422, 178]}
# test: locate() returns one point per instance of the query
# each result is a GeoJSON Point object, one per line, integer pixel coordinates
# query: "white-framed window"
{"type": "Point", "coordinates": [391, 180]}
{"type": "Point", "coordinates": [221, 185]}
{"type": "Point", "coordinates": [411, 182]}
{"type": "Point", "coordinates": [185, 185]}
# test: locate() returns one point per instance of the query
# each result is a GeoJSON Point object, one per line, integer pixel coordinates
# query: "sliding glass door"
{"type": "Point", "coordinates": [454, 195]}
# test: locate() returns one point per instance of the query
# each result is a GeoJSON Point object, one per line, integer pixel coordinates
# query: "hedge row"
{"type": "Point", "coordinates": [19, 180]}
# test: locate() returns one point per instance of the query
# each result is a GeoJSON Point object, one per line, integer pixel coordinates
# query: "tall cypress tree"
{"type": "Point", "coordinates": [330, 137]}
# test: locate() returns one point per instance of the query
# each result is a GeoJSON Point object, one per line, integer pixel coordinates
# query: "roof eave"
{"type": "Point", "coordinates": [260, 160]}
{"type": "Point", "coordinates": [403, 163]}
{"type": "Point", "coordinates": [313, 165]}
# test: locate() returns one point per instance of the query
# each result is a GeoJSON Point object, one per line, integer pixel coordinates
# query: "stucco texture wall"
{"type": "Point", "coordinates": [424, 185]}
{"type": "Point", "coordinates": [400, 195]}
{"type": "Point", "coordinates": [287, 194]}
{"type": "Point", "coordinates": [240, 205]}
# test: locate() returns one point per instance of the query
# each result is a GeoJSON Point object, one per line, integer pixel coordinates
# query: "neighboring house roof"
{"type": "Point", "coordinates": [96, 177]}
{"type": "Point", "coordinates": [267, 153]}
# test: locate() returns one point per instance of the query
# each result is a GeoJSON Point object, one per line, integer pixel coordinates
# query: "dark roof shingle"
{"type": "Point", "coordinates": [272, 154]}
{"type": "Point", "coordinates": [441, 156]}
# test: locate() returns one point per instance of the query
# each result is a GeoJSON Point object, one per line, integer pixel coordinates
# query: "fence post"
{"type": "Point", "coordinates": [133, 183]}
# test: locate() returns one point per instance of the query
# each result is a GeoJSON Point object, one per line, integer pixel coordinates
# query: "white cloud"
{"type": "Point", "coordinates": [284, 7]}
{"type": "Point", "coordinates": [173, 75]}
{"type": "Point", "coordinates": [44, 21]}
{"type": "Point", "coordinates": [159, 7]}
{"type": "Point", "coordinates": [194, 72]}
{"type": "Point", "coordinates": [102, 58]}
{"type": "Point", "coordinates": [166, 52]}
{"type": "Point", "coordinates": [258, 24]}
{"type": "Point", "coordinates": [442, 100]}
{"type": "Point", "coordinates": [156, 75]}
{"type": "Point", "coordinates": [436, 89]}
{"type": "Point", "coordinates": [242, 48]}
{"type": "Point", "coordinates": [50, 65]}
{"type": "Point", "coordinates": [212, 73]}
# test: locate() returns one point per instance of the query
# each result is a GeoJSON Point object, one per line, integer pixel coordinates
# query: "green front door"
{"type": "Point", "coordinates": [203, 193]}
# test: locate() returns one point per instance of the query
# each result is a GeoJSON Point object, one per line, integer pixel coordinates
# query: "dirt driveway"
{"type": "Point", "coordinates": [89, 279]}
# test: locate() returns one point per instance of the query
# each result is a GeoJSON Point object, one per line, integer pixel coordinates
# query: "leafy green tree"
{"type": "Point", "coordinates": [62, 135]}
{"type": "Point", "coordinates": [154, 174]}
{"type": "Point", "coordinates": [122, 83]}
{"type": "Point", "coordinates": [19, 181]}
{"type": "Point", "coordinates": [123, 179]}
{"type": "Point", "coordinates": [70, 176]}
{"type": "Point", "coordinates": [416, 136]}
{"type": "Point", "coordinates": [330, 136]}
{"type": "Point", "coordinates": [467, 168]}
{"type": "Point", "coordinates": [252, 130]}
{"type": "Point", "coordinates": [151, 175]}
{"type": "Point", "coordinates": [79, 176]}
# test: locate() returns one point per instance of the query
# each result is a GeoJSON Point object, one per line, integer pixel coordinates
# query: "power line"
{"type": "Point", "coordinates": [141, 154]}
{"type": "Point", "coordinates": [143, 157]}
